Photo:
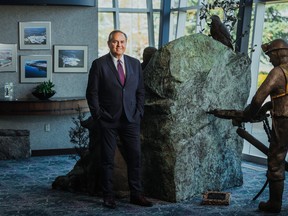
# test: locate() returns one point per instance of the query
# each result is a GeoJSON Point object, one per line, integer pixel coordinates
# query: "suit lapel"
{"type": "Point", "coordinates": [128, 69]}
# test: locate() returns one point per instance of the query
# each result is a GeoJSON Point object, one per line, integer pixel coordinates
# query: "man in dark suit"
{"type": "Point", "coordinates": [115, 95]}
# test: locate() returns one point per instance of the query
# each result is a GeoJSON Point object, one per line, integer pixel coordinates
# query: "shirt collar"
{"type": "Point", "coordinates": [115, 59]}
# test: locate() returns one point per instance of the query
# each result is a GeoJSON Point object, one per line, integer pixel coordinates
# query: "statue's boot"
{"type": "Point", "coordinates": [273, 205]}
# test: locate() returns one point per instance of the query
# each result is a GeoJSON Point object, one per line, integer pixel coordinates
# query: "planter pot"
{"type": "Point", "coordinates": [42, 96]}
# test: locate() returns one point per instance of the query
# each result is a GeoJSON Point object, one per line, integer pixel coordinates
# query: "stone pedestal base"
{"type": "Point", "coordinates": [185, 150]}
{"type": "Point", "coordinates": [14, 144]}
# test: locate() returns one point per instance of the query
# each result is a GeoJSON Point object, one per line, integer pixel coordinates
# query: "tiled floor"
{"type": "Point", "coordinates": [25, 189]}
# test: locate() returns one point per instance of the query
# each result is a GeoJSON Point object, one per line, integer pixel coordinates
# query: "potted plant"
{"type": "Point", "coordinates": [44, 90]}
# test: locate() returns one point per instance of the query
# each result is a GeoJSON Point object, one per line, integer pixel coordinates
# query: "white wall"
{"type": "Point", "coordinates": [70, 25]}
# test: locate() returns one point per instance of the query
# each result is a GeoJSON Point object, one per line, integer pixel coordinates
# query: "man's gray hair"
{"type": "Point", "coordinates": [114, 32]}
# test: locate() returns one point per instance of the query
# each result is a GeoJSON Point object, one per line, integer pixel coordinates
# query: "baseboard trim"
{"type": "Point", "coordinates": [254, 159]}
{"type": "Point", "coordinates": [50, 152]}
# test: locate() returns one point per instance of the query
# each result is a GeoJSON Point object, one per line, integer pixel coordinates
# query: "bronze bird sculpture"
{"type": "Point", "coordinates": [220, 32]}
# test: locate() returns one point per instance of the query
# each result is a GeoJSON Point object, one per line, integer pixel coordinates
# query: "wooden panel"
{"type": "Point", "coordinates": [57, 106]}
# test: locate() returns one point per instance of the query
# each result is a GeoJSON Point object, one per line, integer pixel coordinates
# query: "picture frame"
{"type": "Point", "coordinates": [36, 68]}
{"type": "Point", "coordinates": [8, 57]}
{"type": "Point", "coordinates": [34, 35]}
{"type": "Point", "coordinates": [70, 59]}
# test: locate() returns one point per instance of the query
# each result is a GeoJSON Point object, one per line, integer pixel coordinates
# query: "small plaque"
{"type": "Point", "coordinates": [216, 198]}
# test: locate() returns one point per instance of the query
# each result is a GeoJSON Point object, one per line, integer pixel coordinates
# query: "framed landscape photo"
{"type": "Point", "coordinates": [36, 68]}
{"type": "Point", "coordinates": [34, 35]}
{"type": "Point", "coordinates": [70, 59]}
{"type": "Point", "coordinates": [8, 57]}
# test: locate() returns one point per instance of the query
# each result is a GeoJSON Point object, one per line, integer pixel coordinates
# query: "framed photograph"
{"type": "Point", "coordinates": [36, 68]}
{"type": "Point", "coordinates": [34, 35]}
{"type": "Point", "coordinates": [70, 59]}
{"type": "Point", "coordinates": [8, 57]}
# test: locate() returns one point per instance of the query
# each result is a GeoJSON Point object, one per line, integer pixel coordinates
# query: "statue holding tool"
{"type": "Point", "coordinates": [275, 86]}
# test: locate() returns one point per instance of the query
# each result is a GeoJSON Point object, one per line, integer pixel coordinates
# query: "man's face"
{"type": "Point", "coordinates": [274, 58]}
{"type": "Point", "coordinates": [117, 45]}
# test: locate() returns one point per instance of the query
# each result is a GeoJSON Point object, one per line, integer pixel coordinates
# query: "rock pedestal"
{"type": "Point", "coordinates": [14, 144]}
{"type": "Point", "coordinates": [186, 151]}
{"type": "Point", "coordinates": [86, 174]}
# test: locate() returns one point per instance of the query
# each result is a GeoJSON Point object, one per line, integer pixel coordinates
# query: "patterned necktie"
{"type": "Point", "coordinates": [121, 72]}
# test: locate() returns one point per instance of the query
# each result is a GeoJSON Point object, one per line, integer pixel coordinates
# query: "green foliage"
{"type": "Point", "coordinates": [45, 87]}
{"type": "Point", "coordinates": [225, 9]}
{"type": "Point", "coordinates": [275, 25]}
{"type": "Point", "coordinates": [275, 22]}
{"type": "Point", "coordinates": [79, 136]}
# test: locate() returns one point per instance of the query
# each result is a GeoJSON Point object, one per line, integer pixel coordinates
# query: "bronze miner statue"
{"type": "Point", "coordinates": [148, 52]}
{"type": "Point", "coordinates": [274, 85]}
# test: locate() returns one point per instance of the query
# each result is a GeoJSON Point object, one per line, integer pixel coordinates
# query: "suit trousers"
{"type": "Point", "coordinates": [129, 134]}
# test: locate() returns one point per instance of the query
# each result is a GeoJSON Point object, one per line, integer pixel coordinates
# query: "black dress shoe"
{"type": "Point", "coordinates": [141, 201]}
{"type": "Point", "coordinates": [109, 202]}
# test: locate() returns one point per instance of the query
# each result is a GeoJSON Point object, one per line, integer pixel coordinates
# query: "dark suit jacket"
{"type": "Point", "coordinates": [107, 98]}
